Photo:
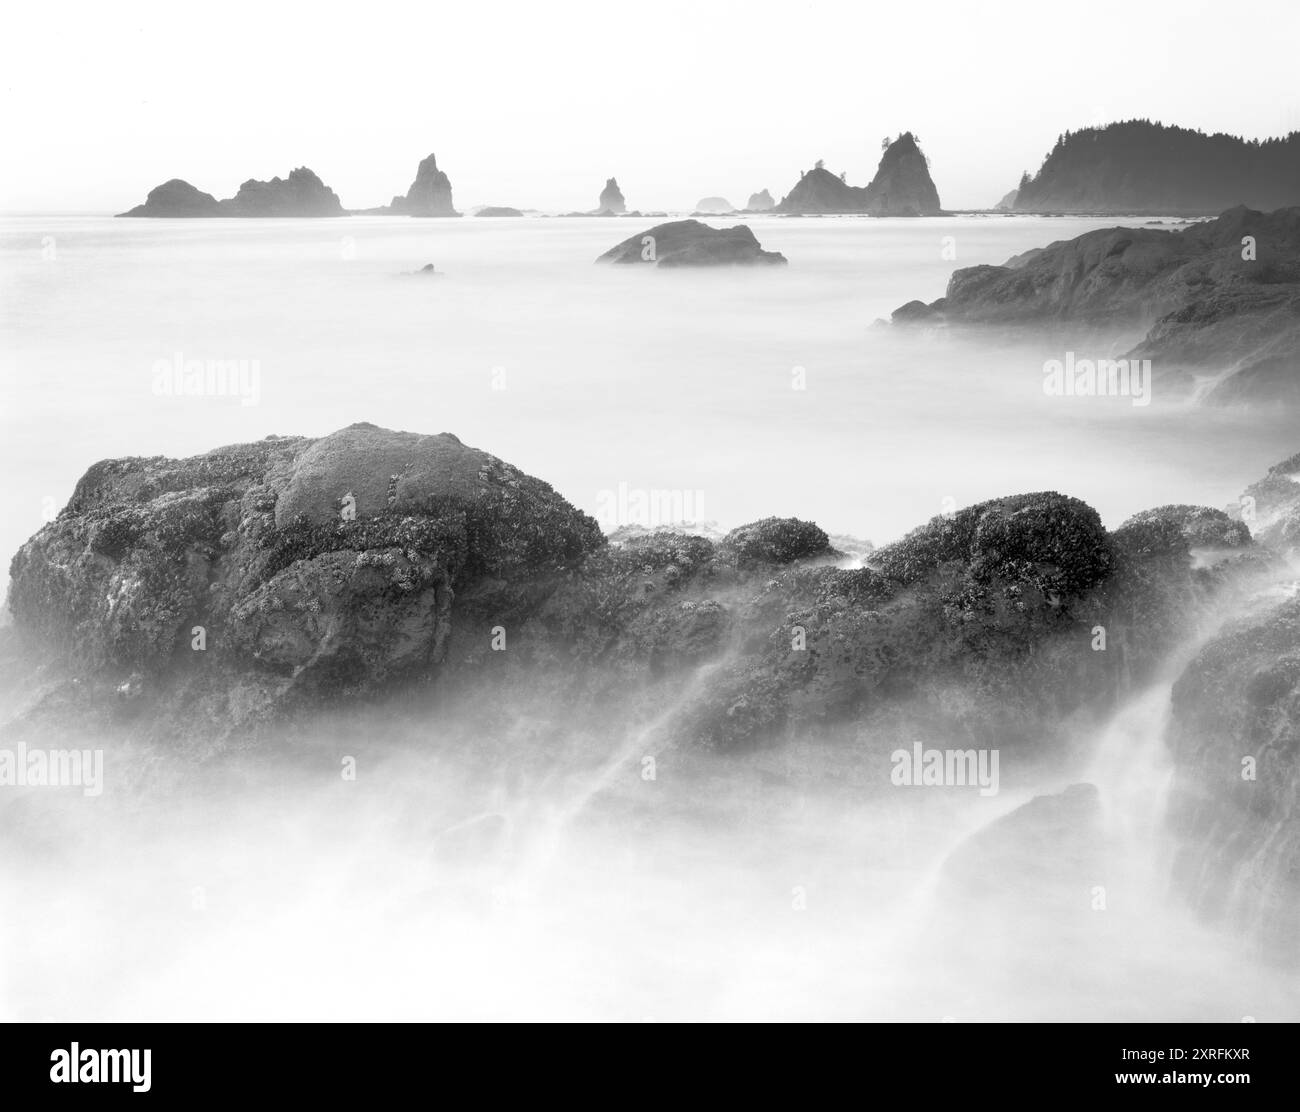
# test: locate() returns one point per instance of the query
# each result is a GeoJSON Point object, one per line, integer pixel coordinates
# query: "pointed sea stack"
{"type": "Point", "coordinates": [429, 195]}
{"type": "Point", "coordinates": [902, 185]}
{"type": "Point", "coordinates": [611, 199]}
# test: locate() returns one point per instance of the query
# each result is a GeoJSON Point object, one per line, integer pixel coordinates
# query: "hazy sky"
{"type": "Point", "coordinates": [534, 105]}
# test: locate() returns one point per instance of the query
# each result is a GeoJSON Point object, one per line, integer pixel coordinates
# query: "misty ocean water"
{"type": "Point", "coordinates": [445, 883]}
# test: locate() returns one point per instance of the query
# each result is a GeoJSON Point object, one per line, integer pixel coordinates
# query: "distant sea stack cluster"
{"type": "Point", "coordinates": [902, 187]}
{"type": "Point", "coordinates": [302, 193]}
{"type": "Point", "coordinates": [1138, 167]}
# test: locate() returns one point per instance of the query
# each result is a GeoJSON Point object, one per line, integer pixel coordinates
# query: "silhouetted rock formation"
{"type": "Point", "coordinates": [1142, 167]}
{"type": "Point", "coordinates": [176, 198]}
{"type": "Point", "coordinates": [714, 206]}
{"type": "Point", "coordinates": [1221, 296]}
{"type": "Point", "coordinates": [429, 195]}
{"type": "Point", "coordinates": [902, 187]}
{"type": "Point", "coordinates": [611, 199]}
{"type": "Point", "coordinates": [1008, 203]}
{"type": "Point", "coordinates": [302, 193]}
{"type": "Point", "coordinates": [760, 201]}
{"type": "Point", "coordinates": [690, 243]}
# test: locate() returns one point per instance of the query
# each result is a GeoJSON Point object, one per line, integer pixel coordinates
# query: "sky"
{"type": "Point", "coordinates": [535, 105]}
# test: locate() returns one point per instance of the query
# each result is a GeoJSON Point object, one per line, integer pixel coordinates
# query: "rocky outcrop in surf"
{"type": "Point", "coordinates": [241, 580]}
{"type": "Point", "coordinates": [902, 186]}
{"type": "Point", "coordinates": [760, 202]}
{"type": "Point", "coordinates": [691, 243]}
{"type": "Point", "coordinates": [1219, 300]}
{"type": "Point", "coordinates": [259, 582]}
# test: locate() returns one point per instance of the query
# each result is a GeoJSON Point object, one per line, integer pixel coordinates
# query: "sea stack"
{"type": "Point", "coordinates": [611, 199]}
{"type": "Point", "coordinates": [176, 198]}
{"type": "Point", "coordinates": [302, 193]}
{"type": "Point", "coordinates": [902, 187]}
{"type": "Point", "coordinates": [429, 195]}
{"type": "Point", "coordinates": [760, 201]}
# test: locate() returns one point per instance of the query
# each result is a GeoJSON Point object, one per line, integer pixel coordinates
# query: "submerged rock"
{"type": "Point", "coordinates": [713, 206]}
{"type": "Point", "coordinates": [691, 243]}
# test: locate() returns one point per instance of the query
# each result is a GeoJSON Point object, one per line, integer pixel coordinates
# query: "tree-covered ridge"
{"type": "Point", "coordinates": [1143, 166]}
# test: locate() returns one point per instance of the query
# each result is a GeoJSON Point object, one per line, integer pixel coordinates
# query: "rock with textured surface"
{"type": "Point", "coordinates": [325, 565]}
{"type": "Point", "coordinates": [760, 201]}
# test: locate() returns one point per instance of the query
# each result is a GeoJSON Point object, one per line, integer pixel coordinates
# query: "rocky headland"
{"type": "Point", "coordinates": [1218, 299]}
{"type": "Point", "coordinates": [1138, 166]}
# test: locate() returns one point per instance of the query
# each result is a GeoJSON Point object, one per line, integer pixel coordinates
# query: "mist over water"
{"type": "Point", "coordinates": [676, 381]}
{"type": "Point", "coordinates": [533, 872]}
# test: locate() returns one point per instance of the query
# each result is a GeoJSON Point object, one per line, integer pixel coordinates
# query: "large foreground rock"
{"type": "Point", "coordinates": [691, 243]}
{"type": "Point", "coordinates": [301, 565]}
